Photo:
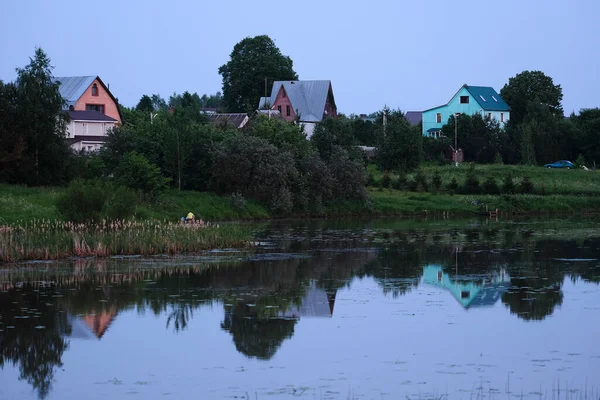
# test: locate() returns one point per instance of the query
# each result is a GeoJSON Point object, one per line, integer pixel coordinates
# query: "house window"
{"type": "Point", "coordinates": [501, 117]}
{"type": "Point", "coordinates": [490, 115]}
{"type": "Point", "coordinates": [279, 109]}
{"type": "Point", "coordinates": [288, 111]}
{"type": "Point", "coordinates": [438, 118]}
{"type": "Point", "coordinates": [494, 99]}
{"type": "Point", "coordinates": [465, 294]}
{"type": "Point", "coordinates": [95, 107]}
{"type": "Point", "coordinates": [483, 98]}
{"type": "Point", "coordinates": [439, 276]}
{"type": "Point", "coordinates": [464, 99]}
{"type": "Point", "coordinates": [94, 90]}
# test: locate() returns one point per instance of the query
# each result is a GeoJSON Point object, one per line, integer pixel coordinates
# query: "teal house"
{"type": "Point", "coordinates": [468, 100]}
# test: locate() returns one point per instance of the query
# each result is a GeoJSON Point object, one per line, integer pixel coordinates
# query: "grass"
{"type": "Point", "coordinates": [50, 240]}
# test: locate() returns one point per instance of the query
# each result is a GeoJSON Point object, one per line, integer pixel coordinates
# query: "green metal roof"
{"type": "Point", "coordinates": [487, 98]}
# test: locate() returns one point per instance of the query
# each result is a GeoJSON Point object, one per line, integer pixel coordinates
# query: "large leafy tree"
{"type": "Point", "coordinates": [401, 144]}
{"type": "Point", "coordinates": [528, 90]}
{"type": "Point", "coordinates": [251, 62]}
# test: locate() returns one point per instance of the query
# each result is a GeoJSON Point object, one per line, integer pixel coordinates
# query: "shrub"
{"type": "Point", "coordinates": [498, 158]}
{"type": "Point", "coordinates": [371, 179]}
{"type": "Point", "coordinates": [508, 186]}
{"type": "Point", "coordinates": [420, 184]}
{"type": "Point", "coordinates": [137, 173]}
{"type": "Point", "coordinates": [121, 203]}
{"type": "Point", "coordinates": [386, 181]}
{"type": "Point", "coordinates": [453, 186]}
{"type": "Point", "coordinates": [526, 186]}
{"type": "Point", "coordinates": [82, 201]}
{"type": "Point", "coordinates": [490, 186]}
{"type": "Point", "coordinates": [400, 183]}
{"type": "Point", "coordinates": [471, 185]}
{"type": "Point", "coordinates": [238, 203]}
{"type": "Point", "coordinates": [580, 162]}
{"type": "Point", "coordinates": [436, 181]}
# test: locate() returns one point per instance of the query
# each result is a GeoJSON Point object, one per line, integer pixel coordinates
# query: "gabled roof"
{"type": "Point", "coordinates": [487, 98]}
{"type": "Point", "coordinates": [89, 115]}
{"type": "Point", "coordinates": [72, 87]}
{"type": "Point", "coordinates": [414, 117]}
{"type": "Point", "coordinates": [237, 120]}
{"type": "Point", "coordinates": [308, 98]}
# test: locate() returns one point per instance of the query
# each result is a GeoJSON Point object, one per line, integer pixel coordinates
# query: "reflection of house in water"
{"type": "Point", "coordinates": [91, 326]}
{"type": "Point", "coordinates": [484, 291]}
{"type": "Point", "coordinates": [315, 303]}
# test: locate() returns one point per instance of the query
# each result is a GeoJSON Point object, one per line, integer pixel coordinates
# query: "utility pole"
{"type": "Point", "coordinates": [456, 138]}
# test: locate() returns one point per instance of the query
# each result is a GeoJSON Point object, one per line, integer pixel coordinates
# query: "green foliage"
{"type": "Point", "coordinates": [490, 186]}
{"type": "Point", "coordinates": [436, 181]}
{"type": "Point", "coordinates": [386, 182]}
{"type": "Point", "coordinates": [527, 143]}
{"type": "Point", "coordinates": [401, 182]}
{"type": "Point", "coordinates": [401, 144]}
{"type": "Point", "coordinates": [82, 201]}
{"type": "Point", "coordinates": [137, 173]}
{"type": "Point", "coordinates": [349, 176]}
{"type": "Point", "coordinates": [480, 138]}
{"type": "Point", "coordinates": [145, 104]}
{"type": "Point", "coordinates": [498, 158]}
{"type": "Point", "coordinates": [453, 185]}
{"type": "Point", "coordinates": [530, 89]}
{"type": "Point", "coordinates": [508, 185]}
{"type": "Point", "coordinates": [86, 165]}
{"type": "Point", "coordinates": [251, 61]}
{"type": "Point", "coordinates": [526, 186]}
{"type": "Point", "coordinates": [580, 162]}
{"type": "Point", "coordinates": [238, 203]}
{"type": "Point", "coordinates": [435, 149]}
{"type": "Point", "coordinates": [281, 134]}
{"type": "Point", "coordinates": [121, 203]}
{"type": "Point", "coordinates": [471, 185]}
{"type": "Point", "coordinates": [420, 184]}
{"type": "Point", "coordinates": [33, 149]}
{"type": "Point", "coordinates": [331, 133]}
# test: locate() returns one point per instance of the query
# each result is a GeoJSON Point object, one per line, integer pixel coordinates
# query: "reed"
{"type": "Point", "coordinates": [52, 239]}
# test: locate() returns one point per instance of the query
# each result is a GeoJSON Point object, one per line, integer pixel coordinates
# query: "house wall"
{"type": "Point", "coordinates": [110, 107]}
{"type": "Point", "coordinates": [283, 100]}
{"type": "Point", "coordinates": [309, 128]}
{"type": "Point", "coordinates": [88, 128]}
{"type": "Point", "coordinates": [454, 106]}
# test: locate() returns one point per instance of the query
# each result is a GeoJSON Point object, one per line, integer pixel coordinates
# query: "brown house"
{"type": "Point", "coordinates": [308, 101]}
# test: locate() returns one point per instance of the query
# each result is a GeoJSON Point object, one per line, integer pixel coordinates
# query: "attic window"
{"type": "Point", "coordinates": [283, 94]}
{"type": "Point", "coordinates": [483, 98]}
{"type": "Point", "coordinates": [464, 99]}
{"type": "Point", "coordinates": [496, 100]}
{"type": "Point", "coordinates": [94, 90]}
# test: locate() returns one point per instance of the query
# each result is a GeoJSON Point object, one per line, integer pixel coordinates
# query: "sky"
{"type": "Point", "coordinates": [408, 55]}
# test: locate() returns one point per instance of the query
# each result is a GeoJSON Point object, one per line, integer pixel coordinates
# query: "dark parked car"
{"type": "Point", "coordinates": [561, 164]}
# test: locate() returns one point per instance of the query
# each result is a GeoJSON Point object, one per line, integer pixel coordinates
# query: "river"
{"type": "Point", "coordinates": [349, 309]}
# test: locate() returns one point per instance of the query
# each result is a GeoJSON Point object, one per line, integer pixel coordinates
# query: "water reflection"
{"type": "Point", "coordinates": [265, 296]}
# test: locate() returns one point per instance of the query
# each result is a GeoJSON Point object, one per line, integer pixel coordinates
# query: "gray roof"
{"type": "Point", "coordinates": [414, 117]}
{"type": "Point", "coordinates": [308, 98]}
{"type": "Point", "coordinates": [89, 115]}
{"type": "Point", "coordinates": [238, 120]}
{"type": "Point", "coordinates": [72, 87]}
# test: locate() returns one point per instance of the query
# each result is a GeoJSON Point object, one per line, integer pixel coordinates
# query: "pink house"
{"type": "Point", "coordinates": [92, 110]}
{"type": "Point", "coordinates": [308, 101]}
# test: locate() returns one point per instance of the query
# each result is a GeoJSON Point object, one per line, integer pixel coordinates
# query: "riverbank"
{"type": "Point", "coordinates": [565, 192]}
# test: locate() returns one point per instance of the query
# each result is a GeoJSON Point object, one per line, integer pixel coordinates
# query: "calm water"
{"type": "Point", "coordinates": [322, 310]}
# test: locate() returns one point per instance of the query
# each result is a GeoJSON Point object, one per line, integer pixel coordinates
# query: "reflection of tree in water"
{"type": "Point", "coordinates": [532, 299]}
{"type": "Point", "coordinates": [257, 337]}
{"type": "Point", "coordinates": [35, 343]}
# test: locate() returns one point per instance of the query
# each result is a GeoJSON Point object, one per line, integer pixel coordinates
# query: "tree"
{"type": "Point", "coordinates": [530, 88]}
{"type": "Point", "coordinates": [251, 62]}
{"type": "Point", "coordinates": [282, 134]}
{"type": "Point", "coordinates": [480, 138]}
{"type": "Point", "coordinates": [401, 144]}
{"type": "Point", "coordinates": [135, 172]}
{"type": "Point", "coordinates": [332, 132]}
{"type": "Point", "coordinates": [32, 127]}
{"type": "Point", "coordinates": [145, 104]}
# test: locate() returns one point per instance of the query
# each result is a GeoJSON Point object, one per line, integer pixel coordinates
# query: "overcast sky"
{"type": "Point", "coordinates": [409, 55]}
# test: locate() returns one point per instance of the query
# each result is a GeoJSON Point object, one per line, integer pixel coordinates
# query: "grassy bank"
{"type": "Point", "coordinates": [51, 240]}
{"type": "Point", "coordinates": [555, 191]}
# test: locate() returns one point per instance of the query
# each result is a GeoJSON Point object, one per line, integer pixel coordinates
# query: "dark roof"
{"type": "Point", "coordinates": [235, 119]}
{"type": "Point", "coordinates": [308, 98]}
{"type": "Point", "coordinates": [414, 117]}
{"type": "Point", "coordinates": [89, 115]}
{"type": "Point", "coordinates": [82, 138]}
{"type": "Point", "coordinates": [488, 98]}
{"type": "Point", "coordinates": [434, 129]}
{"type": "Point", "coordinates": [71, 88]}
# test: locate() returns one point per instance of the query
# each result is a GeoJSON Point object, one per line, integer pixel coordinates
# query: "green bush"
{"type": "Point", "coordinates": [580, 162]}
{"type": "Point", "coordinates": [371, 179]}
{"type": "Point", "coordinates": [420, 184]}
{"type": "Point", "coordinates": [526, 186]}
{"type": "Point", "coordinates": [137, 173]}
{"type": "Point", "coordinates": [436, 181]}
{"type": "Point", "coordinates": [471, 185]}
{"type": "Point", "coordinates": [490, 186]}
{"type": "Point", "coordinates": [121, 203]}
{"type": "Point", "coordinates": [508, 186]}
{"type": "Point", "coordinates": [82, 201]}
{"type": "Point", "coordinates": [238, 203]}
{"type": "Point", "coordinates": [386, 181]}
{"type": "Point", "coordinates": [400, 183]}
{"type": "Point", "coordinates": [453, 186]}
